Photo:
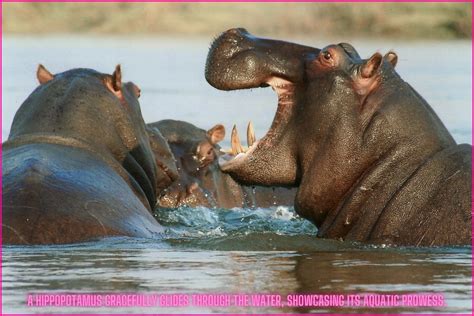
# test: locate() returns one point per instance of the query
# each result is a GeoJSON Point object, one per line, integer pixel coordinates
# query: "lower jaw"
{"type": "Point", "coordinates": [285, 91]}
{"type": "Point", "coordinates": [263, 147]}
{"type": "Point", "coordinates": [228, 162]}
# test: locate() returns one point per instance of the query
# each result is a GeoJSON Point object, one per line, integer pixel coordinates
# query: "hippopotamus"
{"type": "Point", "coordinates": [372, 161]}
{"type": "Point", "coordinates": [200, 181]}
{"type": "Point", "coordinates": [78, 165]}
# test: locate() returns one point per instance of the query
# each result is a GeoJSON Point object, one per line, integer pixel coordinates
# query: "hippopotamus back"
{"type": "Point", "coordinates": [78, 164]}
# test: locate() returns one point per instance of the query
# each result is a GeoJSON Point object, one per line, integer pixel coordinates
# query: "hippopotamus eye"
{"type": "Point", "coordinates": [137, 90]}
{"type": "Point", "coordinates": [327, 55]}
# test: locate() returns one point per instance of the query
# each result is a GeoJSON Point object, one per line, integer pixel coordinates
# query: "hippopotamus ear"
{"type": "Point", "coordinates": [371, 66]}
{"type": "Point", "coordinates": [216, 134]}
{"type": "Point", "coordinates": [117, 78]}
{"type": "Point", "coordinates": [43, 75]}
{"type": "Point", "coordinates": [367, 78]}
{"type": "Point", "coordinates": [392, 58]}
{"type": "Point", "coordinates": [114, 82]}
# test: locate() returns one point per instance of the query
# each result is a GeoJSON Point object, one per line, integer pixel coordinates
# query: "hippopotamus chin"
{"type": "Point", "coordinates": [78, 165]}
{"type": "Point", "coordinates": [371, 160]}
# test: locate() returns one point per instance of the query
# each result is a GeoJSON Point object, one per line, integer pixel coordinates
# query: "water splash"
{"type": "Point", "coordinates": [215, 222]}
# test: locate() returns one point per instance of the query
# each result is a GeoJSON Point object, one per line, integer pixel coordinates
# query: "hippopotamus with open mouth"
{"type": "Point", "coordinates": [78, 164]}
{"type": "Point", "coordinates": [200, 181]}
{"type": "Point", "coordinates": [371, 160]}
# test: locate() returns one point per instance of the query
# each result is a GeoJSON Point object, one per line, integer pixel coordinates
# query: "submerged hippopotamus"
{"type": "Point", "coordinates": [201, 182]}
{"type": "Point", "coordinates": [78, 164]}
{"type": "Point", "coordinates": [371, 160]}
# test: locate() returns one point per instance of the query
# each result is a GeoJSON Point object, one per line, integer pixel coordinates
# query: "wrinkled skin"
{"type": "Point", "coordinates": [78, 164]}
{"type": "Point", "coordinates": [201, 182]}
{"type": "Point", "coordinates": [371, 160]}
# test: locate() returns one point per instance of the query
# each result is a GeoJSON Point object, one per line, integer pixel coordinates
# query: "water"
{"type": "Point", "coordinates": [234, 251]}
{"type": "Point", "coordinates": [240, 250]}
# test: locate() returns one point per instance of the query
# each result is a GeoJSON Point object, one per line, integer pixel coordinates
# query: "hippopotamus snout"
{"type": "Point", "coordinates": [235, 46]}
{"type": "Point", "coordinates": [233, 41]}
{"type": "Point", "coordinates": [240, 60]}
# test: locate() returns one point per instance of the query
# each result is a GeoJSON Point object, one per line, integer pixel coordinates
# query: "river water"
{"type": "Point", "coordinates": [240, 250]}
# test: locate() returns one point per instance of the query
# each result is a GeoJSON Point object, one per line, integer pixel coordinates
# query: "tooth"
{"type": "Point", "coordinates": [250, 134]}
{"type": "Point", "coordinates": [226, 150]}
{"type": "Point", "coordinates": [235, 142]}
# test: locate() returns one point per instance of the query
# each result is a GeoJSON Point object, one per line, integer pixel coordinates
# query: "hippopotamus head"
{"type": "Point", "coordinates": [238, 60]}
{"type": "Point", "coordinates": [194, 150]}
{"type": "Point", "coordinates": [100, 112]}
{"type": "Point", "coordinates": [338, 116]}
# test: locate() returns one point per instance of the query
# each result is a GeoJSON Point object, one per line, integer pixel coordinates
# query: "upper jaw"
{"type": "Point", "coordinates": [239, 60]}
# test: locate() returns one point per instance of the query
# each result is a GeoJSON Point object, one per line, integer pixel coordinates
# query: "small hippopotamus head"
{"type": "Point", "coordinates": [102, 113]}
{"type": "Point", "coordinates": [338, 115]}
{"type": "Point", "coordinates": [194, 150]}
{"type": "Point", "coordinates": [205, 151]}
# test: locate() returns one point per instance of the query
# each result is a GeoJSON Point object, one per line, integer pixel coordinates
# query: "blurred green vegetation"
{"type": "Point", "coordinates": [395, 20]}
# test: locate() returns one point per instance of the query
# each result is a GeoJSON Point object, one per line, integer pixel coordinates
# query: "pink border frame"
{"type": "Point", "coordinates": [263, 1]}
{"type": "Point", "coordinates": [214, 1]}
{"type": "Point", "coordinates": [1, 162]}
{"type": "Point", "coordinates": [472, 150]}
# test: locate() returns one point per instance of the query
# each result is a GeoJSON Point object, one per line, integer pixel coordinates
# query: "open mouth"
{"type": "Point", "coordinates": [239, 155]}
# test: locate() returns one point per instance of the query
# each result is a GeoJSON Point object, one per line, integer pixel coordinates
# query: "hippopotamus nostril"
{"type": "Point", "coordinates": [235, 35]}
{"type": "Point", "coordinates": [237, 31]}
{"type": "Point", "coordinates": [233, 31]}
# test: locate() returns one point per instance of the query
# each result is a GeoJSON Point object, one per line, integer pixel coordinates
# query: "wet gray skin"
{"type": "Point", "coordinates": [78, 164]}
{"type": "Point", "coordinates": [371, 160]}
{"type": "Point", "coordinates": [200, 181]}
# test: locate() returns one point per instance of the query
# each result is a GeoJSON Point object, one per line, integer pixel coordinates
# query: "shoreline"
{"type": "Point", "coordinates": [405, 21]}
